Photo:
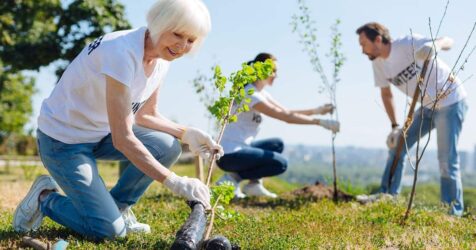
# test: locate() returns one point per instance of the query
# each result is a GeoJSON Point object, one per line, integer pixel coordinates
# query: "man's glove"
{"type": "Point", "coordinates": [426, 51]}
{"type": "Point", "coordinates": [200, 143]}
{"type": "Point", "coordinates": [190, 188]}
{"type": "Point", "coordinates": [332, 125]}
{"type": "Point", "coordinates": [324, 109]}
{"type": "Point", "coordinates": [392, 138]}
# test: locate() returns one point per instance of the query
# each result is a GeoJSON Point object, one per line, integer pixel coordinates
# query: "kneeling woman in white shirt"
{"type": "Point", "coordinates": [247, 158]}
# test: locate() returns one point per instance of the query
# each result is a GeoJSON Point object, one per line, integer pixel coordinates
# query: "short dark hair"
{"type": "Point", "coordinates": [261, 57]}
{"type": "Point", "coordinates": [374, 29]}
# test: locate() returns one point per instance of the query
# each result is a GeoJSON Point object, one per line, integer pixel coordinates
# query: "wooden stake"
{"type": "Point", "coordinates": [408, 122]}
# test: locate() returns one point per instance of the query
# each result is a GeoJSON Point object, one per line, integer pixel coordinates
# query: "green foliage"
{"type": "Point", "coordinates": [221, 108]}
{"type": "Point", "coordinates": [28, 37]}
{"type": "Point", "coordinates": [222, 195]}
{"type": "Point", "coordinates": [225, 191]}
{"type": "Point", "coordinates": [83, 21]}
{"type": "Point", "coordinates": [36, 33]}
{"type": "Point", "coordinates": [213, 90]}
{"type": "Point", "coordinates": [265, 224]}
{"type": "Point", "coordinates": [15, 101]}
{"type": "Point", "coordinates": [336, 54]}
{"type": "Point", "coordinates": [304, 26]}
{"type": "Point", "coordinates": [222, 111]}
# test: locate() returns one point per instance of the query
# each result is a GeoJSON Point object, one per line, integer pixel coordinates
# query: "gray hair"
{"type": "Point", "coordinates": [190, 17]}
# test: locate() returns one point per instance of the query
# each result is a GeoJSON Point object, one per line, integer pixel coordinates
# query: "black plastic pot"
{"type": "Point", "coordinates": [217, 243]}
{"type": "Point", "coordinates": [191, 232]}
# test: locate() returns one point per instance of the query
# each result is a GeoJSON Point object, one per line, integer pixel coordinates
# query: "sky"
{"type": "Point", "coordinates": [242, 29]}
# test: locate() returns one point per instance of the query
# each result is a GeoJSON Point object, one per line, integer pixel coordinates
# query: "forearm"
{"type": "Point", "coordinates": [283, 114]}
{"type": "Point", "coordinates": [389, 105]}
{"type": "Point", "coordinates": [140, 156]}
{"type": "Point", "coordinates": [160, 123]}
{"type": "Point", "coordinates": [305, 111]}
{"type": "Point", "coordinates": [297, 118]}
{"type": "Point", "coordinates": [120, 118]}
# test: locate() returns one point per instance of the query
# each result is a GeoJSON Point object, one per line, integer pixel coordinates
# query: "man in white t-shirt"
{"type": "Point", "coordinates": [398, 63]}
{"type": "Point", "coordinates": [105, 107]}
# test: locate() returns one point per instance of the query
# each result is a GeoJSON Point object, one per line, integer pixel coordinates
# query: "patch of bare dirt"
{"type": "Point", "coordinates": [320, 191]}
{"type": "Point", "coordinates": [12, 192]}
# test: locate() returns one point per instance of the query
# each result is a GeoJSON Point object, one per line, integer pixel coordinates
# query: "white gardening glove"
{"type": "Point", "coordinates": [324, 109]}
{"type": "Point", "coordinates": [426, 51]}
{"type": "Point", "coordinates": [200, 143]}
{"type": "Point", "coordinates": [392, 138]}
{"type": "Point", "coordinates": [332, 125]}
{"type": "Point", "coordinates": [190, 188]}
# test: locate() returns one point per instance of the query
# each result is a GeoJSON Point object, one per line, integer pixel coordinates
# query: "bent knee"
{"type": "Point", "coordinates": [171, 153]}
{"type": "Point", "coordinates": [108, 230]}
{"type": "Point", "coordinates": [278, 144]}
{"type": "Point", "coordinates": [282, 167]}
{"type": "Point", "coordinates": [166, 151]}
{"type": "Point", "coordinates": [175, 149]}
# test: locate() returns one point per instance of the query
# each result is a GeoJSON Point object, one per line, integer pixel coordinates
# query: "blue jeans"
{"type": "Point", "coordinates": [262, 158]}
{"type": "Point", "coordinates": [88, 207]}
{"type": "Point", "coordinates": [448, 122]}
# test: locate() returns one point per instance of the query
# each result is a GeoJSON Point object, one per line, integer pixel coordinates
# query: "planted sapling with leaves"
{"type": "Point", "coordinates": [231, 100]}
{"type": "Point", "coordinates": [304, 26]}
{"type": "Point", "coordinates": [227, 107]}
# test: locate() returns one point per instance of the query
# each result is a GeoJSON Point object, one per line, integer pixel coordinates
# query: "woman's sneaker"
{"type": "Point", "coordinates": [228, 178]}
{"type": "Point", "coordinates": [257, 189]}
{"type": "Point", "coordinates": [132, 225]}
{"type": "Point", "coordinates": [27, 216]}
{"type": "Point", "coordinates": [364, 199]}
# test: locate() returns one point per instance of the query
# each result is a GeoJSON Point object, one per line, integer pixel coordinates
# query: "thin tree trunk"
{"type": "Point", "coordinates": [220, 135]}
{"type": "Point", "coordinates": [212, 219]}
{"type": "Point", "coordinates": [210, 171]}
{"type": "Point", "coordinates": [334, 166]}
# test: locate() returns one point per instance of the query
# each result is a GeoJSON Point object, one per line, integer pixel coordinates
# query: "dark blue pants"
{"type": "Point", "coordinates": [262, 158]}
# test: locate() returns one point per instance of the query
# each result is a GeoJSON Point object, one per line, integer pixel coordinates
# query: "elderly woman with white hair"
{"type": "Point", "coordinates": [105, 107]}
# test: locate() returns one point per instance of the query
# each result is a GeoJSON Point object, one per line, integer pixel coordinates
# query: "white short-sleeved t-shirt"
{"type": "Point", "coordinates": [76, 111]}
{"type": "Point", "coordinates": [400, 70]}
{"type": "Point", "coordinates": [241, 133]}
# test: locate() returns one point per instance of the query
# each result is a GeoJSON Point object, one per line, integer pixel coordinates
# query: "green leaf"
{"type": "Point", "coordinates": [242, 92]}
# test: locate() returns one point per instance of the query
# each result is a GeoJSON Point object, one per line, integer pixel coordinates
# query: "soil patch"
{"type": "Point", "coordinates": [320, 191]}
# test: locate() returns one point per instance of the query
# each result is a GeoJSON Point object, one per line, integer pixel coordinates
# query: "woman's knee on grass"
{"type": "Point", "coordinates": [101, 229]}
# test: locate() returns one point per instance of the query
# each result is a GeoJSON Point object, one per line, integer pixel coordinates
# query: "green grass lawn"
{"type": "Point", "coordinates": [287, 223]}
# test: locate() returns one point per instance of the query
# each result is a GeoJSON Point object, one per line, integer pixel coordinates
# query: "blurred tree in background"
{"type": "Point", "coordinates": [36, 33]}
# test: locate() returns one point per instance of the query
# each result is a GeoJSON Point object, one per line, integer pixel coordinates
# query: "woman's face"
{"type": "Point", "coordinates": [172, 45]}
{"type": "Point", "coordinates": [270, 80]}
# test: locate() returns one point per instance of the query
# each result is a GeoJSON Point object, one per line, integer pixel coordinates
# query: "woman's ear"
{"type": "Point", "coordinates": [378, 39]}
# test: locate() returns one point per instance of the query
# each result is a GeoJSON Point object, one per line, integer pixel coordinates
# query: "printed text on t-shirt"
{"type": "Point", "coordinates": [136, 106]}
{"type": "Point", "coordinates": [405, 75]}
{"type": "Point", "coordinates": [92, 46]}
{"type": "Point", "coordinates": [257, 117]}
